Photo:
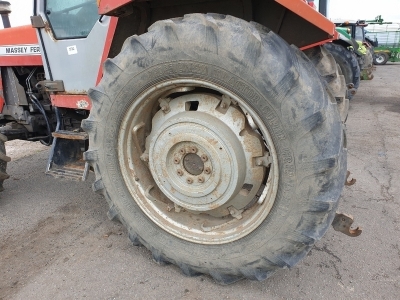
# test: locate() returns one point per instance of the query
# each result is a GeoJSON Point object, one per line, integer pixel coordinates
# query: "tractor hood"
{"type": "Point", "coordinates": [343, 32]}
{"type": "Point", "coordinates": [19, 47]}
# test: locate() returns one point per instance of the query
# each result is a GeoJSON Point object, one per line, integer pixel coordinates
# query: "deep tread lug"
{"type": "Point", "coordinates": [307, 227]}
{"type": "Point", "coordinates": [91, 155]}
{"type": "Point", "coordinates": [111, 67]}
{"type": "Point", "coordinates": [299, 237]}
{"type": "Point", "coordinates": [89, 126]}
{"type": "Point", "coordinates": [134, 238]}
{"type": "Point", "coordinates": [313, 121]}
{"type": "Point", "coordinates": [98, 186]}
{"type": "Point", "coordinates": [257, 274]}
{"type": "Point", "coordinates": [3, 138]}
{"type": "Point", "coordinates": [158, 257]}
{"type": "Point", "coordinates": [113, 214]}
{"type": "Point", "coordinates": [97, 95]}
{"type": "Point", "coordinates": [4, 159]}
{"type": "Point", "coordinates": [321, 166]}
{"type": "Point", "coordinates": [225, 279]}
{"type": "Point", "coordinates": [188, 271]}
{"type": "Point", "coordinates": [4, 176]}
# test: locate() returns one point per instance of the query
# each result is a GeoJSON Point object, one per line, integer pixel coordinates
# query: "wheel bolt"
{"type": "Point", "coordinates": [207, 170]}
{"type": "Point", "coordinates": [189, 180]}
{"type": "Point", "coordinates": [182, 151]}
{"type": "Point", "coordinates": [204, 158]}
{"type": "Point", "coordinates": [177, 160]}
{"type": "Point", "coordinates": [145, 157]}
{"type": "Point", "coordinates": [179, 172]}
{"type": "Point", "coordinates": [193, 149]}
{"type": "Point", "coordinates": [200, 179]}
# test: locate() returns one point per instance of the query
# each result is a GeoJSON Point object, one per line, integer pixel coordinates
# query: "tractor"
{"type": "Point", "coordinates": [364, 48]}
{"type": "Point", "coordinates": [215, 129]}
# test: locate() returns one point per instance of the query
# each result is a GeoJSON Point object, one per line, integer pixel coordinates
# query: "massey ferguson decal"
{"type": "Point", "coordinates": [19, 50]}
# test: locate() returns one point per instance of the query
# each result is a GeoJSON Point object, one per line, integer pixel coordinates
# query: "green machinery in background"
{"type": "Point", "coordinates": [364, 48]}
{"type": "Point", "coordinates": [387, 34]}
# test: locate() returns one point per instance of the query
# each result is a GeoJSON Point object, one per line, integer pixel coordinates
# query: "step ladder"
{"type": "Point", "coordinates": [66, 155]}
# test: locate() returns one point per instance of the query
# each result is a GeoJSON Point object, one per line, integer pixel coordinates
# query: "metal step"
{"type": "Point", "coordinates": [70, 135]}
{"type": "Point", "coordinates": [76, 171]}
{"type": "Point", "coordinates": [66, 155]}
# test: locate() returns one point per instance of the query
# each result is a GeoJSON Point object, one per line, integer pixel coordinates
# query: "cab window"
{"type": "Point", "coordinates": [71, 18]}
{"type": "Point", "coordinates": [359, 36]}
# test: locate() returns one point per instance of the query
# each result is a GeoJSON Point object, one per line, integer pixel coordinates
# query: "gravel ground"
{"type": "Point", "coordinates": [57, 243]}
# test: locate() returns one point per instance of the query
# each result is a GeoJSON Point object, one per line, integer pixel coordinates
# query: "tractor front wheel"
{"type": "Point", "coordinates": [348, 64]}
{"type": "Point", "coordinates": [4, 159]}
{"type": "Point", "coordinates": [218, 146]}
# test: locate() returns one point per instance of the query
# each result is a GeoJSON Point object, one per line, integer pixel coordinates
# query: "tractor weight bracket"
{"type": "Point", "coordinates": [342, 222]}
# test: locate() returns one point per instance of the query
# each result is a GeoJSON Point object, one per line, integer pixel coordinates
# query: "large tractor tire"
{"type": "Point", "coordinates": [218, 146]}
{"type": "Point", "coordinates": [348, 64]}
{"type": "Point", "coordinates": [4, 159]}
{"type": "Point", "coordinates": [369, 58]}
{"type": "Point", "coordinates": [330, 71]}
{"type": "Point", "coordinates": [381, 58]}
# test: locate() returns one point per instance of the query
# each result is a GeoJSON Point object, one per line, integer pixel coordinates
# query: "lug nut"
{"type": "Point", "coordinates": [204, 158]}
{"type": "Point", "coordinates": [193, 149]}
{"type": "Point", "coordinates": [189, 180]}
{"type": "Point", "coordinates": [200, 179]}
{"type": "Point", "coordinates": [177, 160]}
{"type": "Point", "coordinates": [182, 151]}
{"type": "Point", "coordinates": [207, 170]}
{"type": "Point", "coordinates": [179, 172]}
{"type": "Point", "coordinates": [145, 157]}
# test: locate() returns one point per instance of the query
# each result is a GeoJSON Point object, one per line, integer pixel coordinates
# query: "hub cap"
{"type": "Point", "coordinates": [180, 138]}
{"type": "Point", "coordinates": [379, 58]}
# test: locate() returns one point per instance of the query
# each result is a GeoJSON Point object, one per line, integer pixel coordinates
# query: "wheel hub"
{"type": "Point", "coordinates": [198, 157]}
{"type": "Point", "coordinates": [379, 58]}
{"type": "Point", "coordinates": [193, 164]}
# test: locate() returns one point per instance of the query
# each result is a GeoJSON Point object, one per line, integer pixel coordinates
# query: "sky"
{"type": "Point", "coordinates": [21, 10]}
{"type": "Point", "coordinates": [338, 9]}
{"type": "Point", "coordinates": [364, 9]}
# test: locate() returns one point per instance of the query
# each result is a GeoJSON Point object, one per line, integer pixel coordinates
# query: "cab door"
{"type": "Point", "coordinates": [72, 38]}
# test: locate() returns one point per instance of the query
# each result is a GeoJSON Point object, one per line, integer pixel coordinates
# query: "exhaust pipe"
{"type": "Point", "coordinates": [5, 10]}
{"type": "Point", "coordinates": [323, 7]}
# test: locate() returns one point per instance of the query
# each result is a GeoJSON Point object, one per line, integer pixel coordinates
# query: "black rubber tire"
{"type": "Point", "coordinates": [4, 159]}
{"type": "Point", "coordinates": [348, 64]}
{"type": "Point", "coordinates": [330, 71]}
{"type": "Point", "coordinates": [368, 60]}
{"type": "Point", "coordinates": [382, 55]}
{"type": "Point", "coordinates": [276, 80]}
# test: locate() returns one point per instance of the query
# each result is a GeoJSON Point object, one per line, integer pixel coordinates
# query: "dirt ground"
{"type": "Point", "coordinates": [57, 243]}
